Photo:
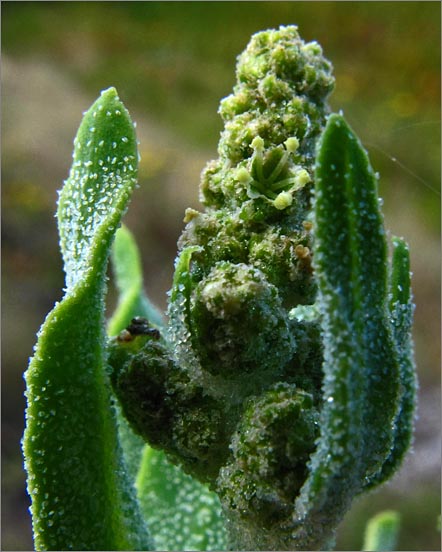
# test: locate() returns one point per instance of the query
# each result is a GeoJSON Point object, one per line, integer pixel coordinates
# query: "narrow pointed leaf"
{"type": "Point", "coordinates": [132, 300]}
{"type": "Point", "coordinates": [81, 497]}
{"type": "Point", "coordinates": [361, 378]}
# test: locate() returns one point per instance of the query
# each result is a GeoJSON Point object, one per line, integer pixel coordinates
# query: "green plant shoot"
{"type": "Point", "coordinates": [282, 378]}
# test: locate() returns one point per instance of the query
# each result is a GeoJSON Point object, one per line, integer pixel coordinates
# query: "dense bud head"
{"type": "Point", "coordinates": [257, 194]}
{"type": "Point", "coordinates": [283, 84]}
{"type": "Point", "coordinates": [230, 327]}
{"type": "Point", "coordinates": [268, 465]}
{"type": "Point", "coordinates": [240, 324]}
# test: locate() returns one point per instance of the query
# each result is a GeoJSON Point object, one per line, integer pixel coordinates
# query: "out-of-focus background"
{"type": "Point", "coordinates": [172, 62]}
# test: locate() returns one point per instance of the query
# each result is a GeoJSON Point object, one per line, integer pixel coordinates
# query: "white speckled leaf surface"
{"type": "Point", "coordinates": [81, 497]}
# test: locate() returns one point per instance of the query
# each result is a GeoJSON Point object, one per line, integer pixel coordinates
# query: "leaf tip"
{"type": "Point", "coordinates": [109, 93]}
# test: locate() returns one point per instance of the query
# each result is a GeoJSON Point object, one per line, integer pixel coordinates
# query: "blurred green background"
{"type": "Point", "coordinates": [172, 62]}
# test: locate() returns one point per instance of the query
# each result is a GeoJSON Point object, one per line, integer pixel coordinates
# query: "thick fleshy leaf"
{"type": "Point", "coordinates": [81, 496]}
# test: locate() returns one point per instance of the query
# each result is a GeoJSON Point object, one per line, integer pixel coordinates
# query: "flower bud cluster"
{"type": "Point", "coordinates": [237, 399]}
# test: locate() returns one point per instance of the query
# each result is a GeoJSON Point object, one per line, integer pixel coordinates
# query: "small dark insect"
{"type": "Point", "coordinates": [141, 326]}
{"type": "Point", "coordinates": [138, 326]}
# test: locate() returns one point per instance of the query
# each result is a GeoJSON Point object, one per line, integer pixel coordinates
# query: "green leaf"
{"type": "Point", "coordinates": [182, 279]}
{"type": "Point", "coordinates": [401, 315]}
{"type": "Point", "coordinates": [361, 372]}
{"type": "Point", "coordinates": [81, 496]}
{"type": "Point", "coordinates": [127, 269]}
{"type": "Point", "coordinates": [182, 513]}
{"type": "Point", "coordinates": [382, 531]}
{"type": "Point", "coordinates": [100, 183]}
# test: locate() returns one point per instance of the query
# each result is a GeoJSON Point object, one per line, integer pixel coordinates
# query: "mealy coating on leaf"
{"type": "Point", "coordinates": [401, 314]}
{"type": "Point", "coordinates": [183, 514]}
{"type": "Point", "coordinates": [81, 496]}
{"type": "Point", "coordinates": [101, 179]}
{"type": "Point", "coordinates": [362, 368]}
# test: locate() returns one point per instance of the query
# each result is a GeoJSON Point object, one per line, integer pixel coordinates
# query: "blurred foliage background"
{"type": "Point", "coordinates": [172, 62]}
